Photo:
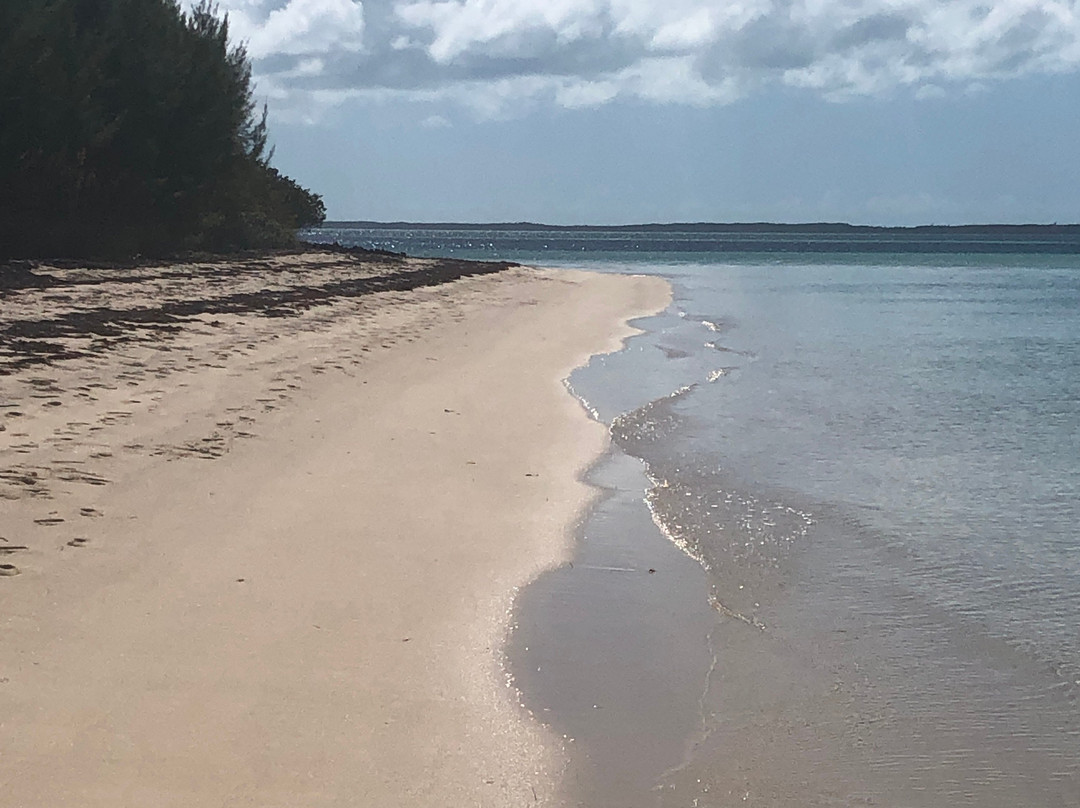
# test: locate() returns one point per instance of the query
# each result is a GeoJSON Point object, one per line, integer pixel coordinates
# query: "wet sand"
{"type": "Point", "coordinates": [613, 649]}
{"type": "Point", "coordinates": [263, 523]}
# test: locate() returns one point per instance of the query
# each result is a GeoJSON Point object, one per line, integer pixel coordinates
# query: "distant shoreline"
{"type": "Point", "coordinates": [528, 242]}
{"type": "Point", "coordinates": [815, 228]}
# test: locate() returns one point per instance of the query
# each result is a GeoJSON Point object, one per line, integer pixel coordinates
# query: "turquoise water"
{"type": "Point", "coordinates": [938, 406]}
{"type": "Point", "coordinates": [873, 447]}
{"type": "Point", "coordinates": [883, 479]}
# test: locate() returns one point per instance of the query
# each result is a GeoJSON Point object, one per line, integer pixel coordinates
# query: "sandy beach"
{"type": "Point", "coordinates": [263, 523]}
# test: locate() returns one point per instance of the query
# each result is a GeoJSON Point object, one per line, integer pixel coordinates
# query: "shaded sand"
{"type": "Point", "coordinates": [269, 560]}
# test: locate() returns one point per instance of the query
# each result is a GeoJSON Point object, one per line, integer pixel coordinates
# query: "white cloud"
{"type": "Point", "coordinates": [576, 94]}
{"type": "Point", "coordinates": [930, 91]}
{"type": "Point", "coordinates": [435, 122]}
{"type": "Point", "coordinates": [501, 27]}
{"type": "Point", "coordinates": [297, 27]}
{"type": "Point", "coordinates": [492, 55]}
{"type": "Point", "coordinates": [697, 28]}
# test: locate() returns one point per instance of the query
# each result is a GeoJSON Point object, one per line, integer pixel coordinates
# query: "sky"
{"type": "Point", "coordinates": [890, 112]}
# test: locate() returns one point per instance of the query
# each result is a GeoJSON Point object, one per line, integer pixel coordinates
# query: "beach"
{"type": "Point", "coordinates": [264, 521]}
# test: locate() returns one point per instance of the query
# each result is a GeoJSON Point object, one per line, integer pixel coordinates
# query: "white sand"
{"type": "Point", "coordinates": [312, 615]}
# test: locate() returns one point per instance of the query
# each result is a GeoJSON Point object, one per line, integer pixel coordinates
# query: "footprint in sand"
{"type": "Point", "coordinates": [7, 570]}
{"type": "Point", "coordinates": [8, 549]}
{"type": "Point", "coordinates": [48, 520]}
{"type": "Point", "coordinates": [78, 542]}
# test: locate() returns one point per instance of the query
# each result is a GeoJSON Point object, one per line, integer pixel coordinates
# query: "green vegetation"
{"type": "Point", "coordinates": [128, 127]}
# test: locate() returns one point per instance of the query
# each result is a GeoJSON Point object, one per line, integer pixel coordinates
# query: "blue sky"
{"type": "Point", "coordinates": [619, 111]}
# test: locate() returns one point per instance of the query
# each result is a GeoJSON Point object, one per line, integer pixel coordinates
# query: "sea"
{"type": "Point", "coordinates": [837, 558]}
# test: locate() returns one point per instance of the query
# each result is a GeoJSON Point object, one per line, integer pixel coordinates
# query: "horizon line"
{"type": "Point", "coordinates": [705, 224]}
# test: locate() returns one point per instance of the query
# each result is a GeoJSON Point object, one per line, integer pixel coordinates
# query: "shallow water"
{"type": "Point", "coordinates": [612, 650]}
{"type": "Point", "coordinates": [876, 458]}
{"type": "Point", "coordinates": [882, 483]}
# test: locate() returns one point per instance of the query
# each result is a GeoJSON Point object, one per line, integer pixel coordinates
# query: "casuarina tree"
{"type": "Point", "coordinates": [129, 126]}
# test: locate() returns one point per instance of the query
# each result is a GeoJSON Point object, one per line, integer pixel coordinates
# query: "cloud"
{"type": "Point", "coordinates": [300, 28]}
{"type": "Point", "coordinates": [495, 55]}
{"type": "Point", "coordinates": [435, 122]}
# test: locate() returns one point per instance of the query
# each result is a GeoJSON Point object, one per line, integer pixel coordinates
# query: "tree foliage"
{"type": "Point", "coordinates": [127, 127]}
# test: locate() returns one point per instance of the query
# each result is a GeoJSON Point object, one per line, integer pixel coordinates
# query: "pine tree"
{"type": "Point", "coordinates": [129, 126]}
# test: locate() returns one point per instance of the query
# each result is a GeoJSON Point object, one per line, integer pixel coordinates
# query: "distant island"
{"type": "Point", "coordinates": [809, 228]}
{"type": "Point", "coordinates": [518, 239]}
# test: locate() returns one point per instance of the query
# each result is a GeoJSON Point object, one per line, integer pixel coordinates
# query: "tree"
{"type": "Point", "coordinates": [129, 126]}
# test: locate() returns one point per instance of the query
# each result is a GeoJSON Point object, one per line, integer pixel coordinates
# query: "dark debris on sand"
{"type": "Point", "coordinates": [353, 272]}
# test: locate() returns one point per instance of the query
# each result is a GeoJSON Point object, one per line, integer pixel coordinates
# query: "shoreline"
{"type": "Point", "coordinates": [614, 648]}
{"type": "Point", "coordinates": [301, 539]}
